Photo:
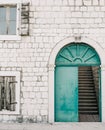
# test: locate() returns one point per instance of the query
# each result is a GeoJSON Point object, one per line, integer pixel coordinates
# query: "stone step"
{"type": "Point", "coordinates": [88, 112]}
{"type": "Point", "coordinates": [86, 91]}
{"type": "Point", "coordinates": [87, 104]}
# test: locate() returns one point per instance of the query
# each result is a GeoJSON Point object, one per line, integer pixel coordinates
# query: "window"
{"type": "Point", "coordinates": [9, 92]}
{"type": "Point", "coordinates": [9, 20]}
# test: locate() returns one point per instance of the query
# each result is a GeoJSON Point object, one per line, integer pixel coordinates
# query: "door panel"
{"type": "Point", "coordinates": [66, 94]}
{"type": "Point", "coordinates": [99, 102]}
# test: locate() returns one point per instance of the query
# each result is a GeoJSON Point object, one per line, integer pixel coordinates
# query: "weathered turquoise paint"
{"type": "Point", "coordinates": [66, 94]}
{"type": "Point", "coordinates": [77, 54]}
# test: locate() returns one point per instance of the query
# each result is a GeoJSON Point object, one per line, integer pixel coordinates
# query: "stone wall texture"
{"type": "Point", "coordinates": [50, 21]}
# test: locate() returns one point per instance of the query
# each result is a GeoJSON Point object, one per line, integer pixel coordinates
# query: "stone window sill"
{"type": "Point", "coordinates": [7, 112]}
{"type": "Point", "coordinates": [10, 37]}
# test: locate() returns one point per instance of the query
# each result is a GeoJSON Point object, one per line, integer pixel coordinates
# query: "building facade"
{"type": "Point", "coordinates": [43, 44]}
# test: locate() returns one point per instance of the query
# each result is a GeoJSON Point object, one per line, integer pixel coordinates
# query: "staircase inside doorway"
{"type": "Point", "coordinates": [88, 103]}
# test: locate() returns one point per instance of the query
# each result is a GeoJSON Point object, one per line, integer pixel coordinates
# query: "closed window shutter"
{"type": "Point", "coordinates": [7, 91]}
{"type": "Point", "coordinates": [25, 19]}
{"type": "Point", "coordinates": [1, 84]}
{"type": "Point", "coordinates": [12, 94]}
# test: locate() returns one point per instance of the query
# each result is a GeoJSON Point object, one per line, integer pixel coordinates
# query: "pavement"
{"type": "Point", "coordinates": [55, 126]}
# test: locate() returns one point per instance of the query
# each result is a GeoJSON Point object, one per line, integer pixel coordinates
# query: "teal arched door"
{"type": "Point", "coordinates": [66, 79]}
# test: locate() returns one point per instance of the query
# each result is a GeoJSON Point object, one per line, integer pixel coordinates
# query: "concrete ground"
{"type": "Point", "coordinates": [56, 126]}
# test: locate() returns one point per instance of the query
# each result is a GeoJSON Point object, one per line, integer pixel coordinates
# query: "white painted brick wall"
{"type": "Point", "coordinates": [50, 22]}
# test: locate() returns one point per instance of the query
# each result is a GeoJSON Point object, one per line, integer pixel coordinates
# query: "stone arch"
{"type": "Point", "coordinates": [51, 65]}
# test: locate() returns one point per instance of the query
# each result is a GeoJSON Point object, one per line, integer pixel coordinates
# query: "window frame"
{"type": "Point", "coordinates": [17, 91]}
{"type": "Point", "coordinates": [18, 19]}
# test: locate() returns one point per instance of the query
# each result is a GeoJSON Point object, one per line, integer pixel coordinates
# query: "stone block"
{"type": "Point", "coordinates": [76, 14]}
{"type": "Point", "coordinates": [102, 2]}
{"type": "Point", "coordinates": [43, 112]}
{"type": "Point", "coordinates": [71, 2]}
{"type": "Point", "coordinates": [79, 2]}
{"type": "Point", "coordinates": [44, 94]}
{"type": "Point", "coordinates": [87, 2]}
{"type": "Point", "coordinates": [95, 2]}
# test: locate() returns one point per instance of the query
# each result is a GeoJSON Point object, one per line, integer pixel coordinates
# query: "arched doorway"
{"type": "Point", "coordinates": [76, 96]}
{"type": "Point", "coordinates": [51, 70]}
{"type": "Point", "coordinates": [77, 84]}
